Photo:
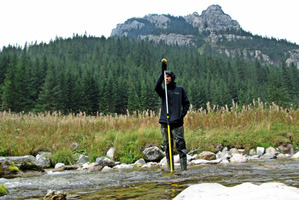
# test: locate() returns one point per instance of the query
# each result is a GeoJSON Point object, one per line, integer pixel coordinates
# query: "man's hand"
{"type": "Point", "coordinates": [164, 64]}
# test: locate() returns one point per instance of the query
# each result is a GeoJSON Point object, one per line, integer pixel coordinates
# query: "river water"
{"type": "Point", "coordinates": [152, 183]}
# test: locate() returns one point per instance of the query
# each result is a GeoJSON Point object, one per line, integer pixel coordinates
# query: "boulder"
{"type": "Point", "coordinates": [241, 151]}
{"type": "Point", "coordinates": [260, 151]}
{"type": "Point", "coordinates": [195, 157]}
{"type": "Point", "coordinates": [139, 162]}
{"type": "Point", "coordinates": [245, 191]}
{"type": "Point", "coordinates": [55, 195]}
{"type": "Point", "coordinates": [224, 155]}
{"type": "Point", "coordinates": [176, 159]}
{"type": "Point", "coordinates": [8, 171]}
{"type": "Point", "coordinates": [238, 158]}
{"type": "Point", "coordinates": [296, 155]}
{"type": "Point", "coordinates": [233, 150]}
{"type": "Point", "coordinates": [107, 169]}
{"type": "Point", "coordinates": [287, 149]}
{"type": "Point", "coordinates": [252, 152]}
{"type": "Point", "coordinates": [103, 161]}
{"type": "Point", "coordinates": [202, 161]}
{"type": "Point", "coordinates": [254, 157]}
{"type": "Point", "coordinates": [59, 165]}
{"type": "Point", "coordinates": [89, 166]}
{"type": "Point", "coordinates": [272, 151]}
{"type": "Point", "coordinates": [42, 161]}
{"type": "Point", "coordinates": [123, 166]}
{"type": "Point", "coordinates": [96, 168]}
{"type": "Point", "coordinates": [281, 156]}
{"type": "Point", "coordinates": [71, 167]}
{"type": "Point", "coordinates": [83, 159]}
{"type": "Point", "coordinates": [163, 162]}
{"type": "Point", "coordinates": [150, 165]}
{"type": "Point", "coordinates": [269, 155]}
{"type": "Point", "coordinates": [207, 155]}
{"type": "Point", "coordinates": [110, 153]}
{"type": "Point", "coordinates": [27, 162]}
{"type": "Point", "coordinates": [45, 154]}
{"type": "Point", "coordinates": [2, 168]}
{"type": "Point", "coordinates": [153, 154]}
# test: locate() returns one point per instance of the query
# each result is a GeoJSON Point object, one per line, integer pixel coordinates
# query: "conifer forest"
{"type": "Point", "coordinates": [118, 75]}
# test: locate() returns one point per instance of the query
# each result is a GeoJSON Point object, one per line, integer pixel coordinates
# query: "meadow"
{"type": "Point", "coordinates": [67, 136]}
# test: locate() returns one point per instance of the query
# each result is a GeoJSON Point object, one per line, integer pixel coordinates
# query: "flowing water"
{"type": "Point", "coordinates": [151, 183]}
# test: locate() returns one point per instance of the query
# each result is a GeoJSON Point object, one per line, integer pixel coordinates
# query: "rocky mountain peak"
{"type": "Point", "coordinates": [160, 21]}
{"type": "Point", "coordinates": [212, 19]}
{"type": "Point", "coordinates": [212, 28]}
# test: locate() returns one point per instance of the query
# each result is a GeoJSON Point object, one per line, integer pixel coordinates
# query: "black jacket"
{"type": "Point", "coordinates": [178, 103]}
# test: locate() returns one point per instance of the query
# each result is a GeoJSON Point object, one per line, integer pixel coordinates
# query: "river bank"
{"type": "Point", "coordinates": [149, 183]}
{"type": "Point", "coordinates": [120, 176]}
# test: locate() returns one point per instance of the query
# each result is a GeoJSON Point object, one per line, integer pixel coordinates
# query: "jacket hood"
{"type": "Point", "coordinates": [172, 75]}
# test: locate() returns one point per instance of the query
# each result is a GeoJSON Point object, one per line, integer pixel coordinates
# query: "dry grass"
{"type": "Point", "coordinates": [242, 127]}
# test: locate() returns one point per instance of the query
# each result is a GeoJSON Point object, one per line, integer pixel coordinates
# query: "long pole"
{"type": "Point", "coordinates": [168, 126]}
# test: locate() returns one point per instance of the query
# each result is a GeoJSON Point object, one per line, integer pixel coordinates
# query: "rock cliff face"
{"type": "Point", "coordinates": [213, 27]}
{"type": "Point", "coordinates": [212, 19]}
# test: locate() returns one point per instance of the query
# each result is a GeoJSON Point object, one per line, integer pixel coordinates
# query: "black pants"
{"type": "Point", "coordinates": [177, 135]}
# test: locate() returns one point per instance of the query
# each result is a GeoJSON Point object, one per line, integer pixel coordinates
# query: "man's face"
{"type": "Point", "coordinates": [168, 78]}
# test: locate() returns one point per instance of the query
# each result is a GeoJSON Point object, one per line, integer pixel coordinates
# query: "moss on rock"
{"type": "Point", "coordinates": [13, 169]}
{"type": "Point", "coordinates": [3, 190]}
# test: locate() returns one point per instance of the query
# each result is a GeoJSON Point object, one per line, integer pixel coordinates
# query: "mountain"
{"type": "Point", "coordinates": [213, 33]}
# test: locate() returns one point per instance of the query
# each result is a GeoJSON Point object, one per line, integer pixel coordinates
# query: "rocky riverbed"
{"type": "Point", "coordinates": [143, 179]}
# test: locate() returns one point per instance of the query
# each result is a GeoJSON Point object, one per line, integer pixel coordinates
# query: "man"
{"type": "Point", "coordinates": [178, 105]}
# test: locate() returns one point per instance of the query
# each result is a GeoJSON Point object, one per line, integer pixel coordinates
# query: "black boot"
{"type": "Point", "coordinates": [183, 162]}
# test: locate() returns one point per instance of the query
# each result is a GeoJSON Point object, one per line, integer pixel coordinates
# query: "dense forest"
{"type": "Point", "coordinates": [117, 75]}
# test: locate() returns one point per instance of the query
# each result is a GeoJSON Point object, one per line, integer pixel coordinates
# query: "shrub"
{"type": "Point", "coordinates": [63, 155]}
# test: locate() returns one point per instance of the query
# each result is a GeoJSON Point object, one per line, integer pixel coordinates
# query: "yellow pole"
{"type": "Point", "coordinates": [170, 151]}
{"type": "Point", "coordinates": [168, 126]}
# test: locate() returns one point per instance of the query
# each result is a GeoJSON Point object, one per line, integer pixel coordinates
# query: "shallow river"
{"type": "Point", "coordinates": [150, 183]}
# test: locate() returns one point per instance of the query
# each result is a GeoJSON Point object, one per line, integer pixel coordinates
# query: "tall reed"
{"type": "Point", "coordinates": [257, 124]}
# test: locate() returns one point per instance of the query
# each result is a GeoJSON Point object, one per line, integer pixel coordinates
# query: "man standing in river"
{"type": "Point", "coordinates": [177, 105]}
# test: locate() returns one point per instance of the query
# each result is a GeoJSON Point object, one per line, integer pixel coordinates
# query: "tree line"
{"type": "Point", "coordinates": [117, 75]}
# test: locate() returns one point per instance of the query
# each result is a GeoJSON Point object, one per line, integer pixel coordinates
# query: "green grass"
{"type": "Point", "coordinates": [240, 127]}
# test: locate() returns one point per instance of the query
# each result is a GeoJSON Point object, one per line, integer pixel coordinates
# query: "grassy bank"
{"type": "Point", "coordinates": [246, 127]}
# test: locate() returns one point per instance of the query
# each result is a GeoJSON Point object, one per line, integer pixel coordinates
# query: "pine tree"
{"type": "Point", "coordinates": [90, 89]}
{"type": "Point", "coordinates": [104, 97]}
{"type": "Point", "coordinates": [48, 98]}
{"type": "Point", "coordinates": [9, 94]}
{"type": "Point", "coordinates": [4, 64]}
{"type": "Point", "coordinates": [133, 99]}
{"type": "Point", "coordinates": [23, 88]}
{"type": "Point", "coordinates": [277, 94]}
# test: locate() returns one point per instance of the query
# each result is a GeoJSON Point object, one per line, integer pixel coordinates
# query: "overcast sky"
{"type": "Point", "coordinates": [42, 20]}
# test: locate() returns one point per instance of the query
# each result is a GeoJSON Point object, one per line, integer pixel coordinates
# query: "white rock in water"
{"type": "Point", "coordinates": [107, 169]}
{"type": "Point", "coordinates": [238, 158]}
{"type": "Point", "coordinates": [245, 191]}
{"type": "Point", "coordinates": [296, 155]}
{"type": "Point", "coordinates": [202, 161]}
{"type": "Point", "coordinates": [59, 165]}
